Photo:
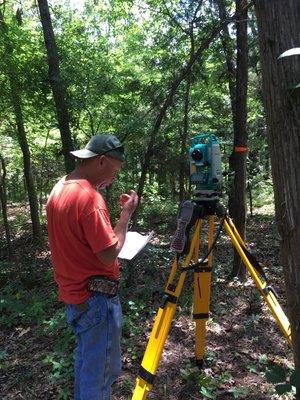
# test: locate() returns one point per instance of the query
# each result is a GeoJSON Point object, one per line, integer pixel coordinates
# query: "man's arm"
{"type": "Point", "coordinates": [108, 256]}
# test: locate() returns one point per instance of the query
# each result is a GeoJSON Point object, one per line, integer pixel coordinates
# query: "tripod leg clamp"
{"type": "Point", "coordinates": [269, 288]}
{"type": "Point", "coordinates": [201, 316]}
{"type": "Point", "coordinates": [146, 375]}
{"type": "Point", "coordinates": [168, 298]}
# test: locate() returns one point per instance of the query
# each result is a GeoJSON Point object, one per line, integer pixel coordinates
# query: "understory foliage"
{"type": "Point", "coordinates": [36, 345]}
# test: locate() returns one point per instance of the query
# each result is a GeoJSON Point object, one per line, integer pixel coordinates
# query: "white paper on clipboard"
{"type": "Point", "coordinates": [134, 243]}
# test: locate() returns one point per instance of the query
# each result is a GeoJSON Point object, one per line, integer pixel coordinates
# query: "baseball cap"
{"type": "Point", "coordinates": [101, 144]}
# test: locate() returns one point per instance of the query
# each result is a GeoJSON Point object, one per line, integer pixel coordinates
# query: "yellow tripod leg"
{"type": "Point", "coordinates": [202, 286]}
{"type": "Point", "coordinates": [161, 326]}
{"type": "Point", "coordinates": [266, 292]}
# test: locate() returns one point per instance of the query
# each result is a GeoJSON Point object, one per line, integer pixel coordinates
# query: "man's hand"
{"type": "Point", "coordinates": [129, 202]}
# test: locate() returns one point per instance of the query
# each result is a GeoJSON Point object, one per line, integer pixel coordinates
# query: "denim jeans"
{"type": "Point", "coordinates": [97, 355]}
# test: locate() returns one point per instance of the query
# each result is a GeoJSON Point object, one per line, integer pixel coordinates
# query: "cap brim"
{"type": "Point", "coordinates": [84, 153]}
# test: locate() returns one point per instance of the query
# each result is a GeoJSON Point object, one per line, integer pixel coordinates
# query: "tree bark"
{"type": "Point", "coordinates": [3, 200]}
{"type": "Point", "coordinates": [58, 89]}
{"type": "Point", "coordinates": [279, 30]}
{"type": "Point", "coordinates": [22, 139]}
{"type": "Point", "coordinates": [237, 201]}
{"type": "Point", "coordinates": [183, 140]}
{"type": "Point", "coordinates": [229, 57]}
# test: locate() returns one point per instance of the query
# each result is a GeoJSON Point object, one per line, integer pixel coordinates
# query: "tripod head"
{"type": "Point", "coordinates": [208, 206]}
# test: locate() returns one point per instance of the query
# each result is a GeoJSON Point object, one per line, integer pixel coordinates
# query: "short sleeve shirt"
{"type": "Point", "coordinates": [78, 228]}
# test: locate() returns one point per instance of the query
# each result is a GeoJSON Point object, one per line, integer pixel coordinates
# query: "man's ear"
{"type": "Point", "coordinates": [101, 159]}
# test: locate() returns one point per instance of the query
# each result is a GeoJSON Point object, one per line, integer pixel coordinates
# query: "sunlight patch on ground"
{"type": "Point", "coordinates": [268, 209]}
{"type": "Point", "coordinates": [215, 327]}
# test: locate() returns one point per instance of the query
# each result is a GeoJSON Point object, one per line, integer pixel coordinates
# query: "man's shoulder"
{"type": "Point", "coordinates": [77, 192]}
{"type": "Point", "coordinates": [55, 191]}
{"type": "Point", "coordinates": [89, 196]}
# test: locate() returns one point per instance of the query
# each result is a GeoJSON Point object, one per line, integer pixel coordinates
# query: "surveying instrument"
{"type": "Point", "coordinates": [206, 174]}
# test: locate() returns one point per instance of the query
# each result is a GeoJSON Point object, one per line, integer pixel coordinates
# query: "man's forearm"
{"type": "Point", "coordinates": [121, 229]}
{"type": "Point", "coordinates": [109, 255]}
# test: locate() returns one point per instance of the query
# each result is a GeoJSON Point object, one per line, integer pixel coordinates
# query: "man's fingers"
{"type": "Point", "coordinates": [124, 197]}
{"type": "Point", "coordinates": [129, 201]}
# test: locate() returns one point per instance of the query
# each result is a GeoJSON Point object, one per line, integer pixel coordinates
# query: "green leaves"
{"type": "Point", "coordinates": [207, 393]}
{"type": "Point", "coordinates": [283, 388]}
{"type": "Point", "coordinates": [277, 375]}
{"type": "Point", "coordinates": [237, 392]}
{"type": "Point", "coordinates": [295, 378]}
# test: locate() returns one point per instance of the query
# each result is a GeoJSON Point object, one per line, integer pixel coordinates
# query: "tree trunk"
{"type": "Point", "coordinates": [237, 203]}
{"type": "Point", "coordinates": [183, 140]}
{"type": "Point", "coordinates": [229, 57]}
{"type": "Point", "coordinates": [58, 89]}
{"type": "Point", "coordinates": [16, 102]}
{"type": "Point", "coordinates": [3, 200]}
{"type": "Point", "coordinates": [279, 30]}
{"type": "Point", "coordinates": [29, 179]}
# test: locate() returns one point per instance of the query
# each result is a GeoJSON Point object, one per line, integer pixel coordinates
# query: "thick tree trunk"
{"type": "Point", "coordinates": [58, 89]}
{"type": "Point", "coordinates": [237, 203]}
{"type": "Point", "coordinates": [16, 102]}
{"type": "Point", "coordinates": [3, 200]}
{"type": "Point", "coordinates": [279, 30]}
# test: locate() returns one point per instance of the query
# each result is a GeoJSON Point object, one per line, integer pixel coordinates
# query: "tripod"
{"type": "Point", "coordinates": [192, 215]}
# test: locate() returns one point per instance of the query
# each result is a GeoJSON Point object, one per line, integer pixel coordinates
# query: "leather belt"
{"type": "Point", "coordinates": [104, 285]}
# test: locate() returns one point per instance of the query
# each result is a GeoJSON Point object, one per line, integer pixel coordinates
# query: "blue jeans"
{"type": "Point", "coordinates": [97, 354]}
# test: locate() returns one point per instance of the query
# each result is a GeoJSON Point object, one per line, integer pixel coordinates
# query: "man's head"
{"type": "Point", "coordinates": [101, 159]}
{"type": "Point", "coordinates": [101, 144]}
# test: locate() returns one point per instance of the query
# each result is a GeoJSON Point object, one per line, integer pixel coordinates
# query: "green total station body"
{"type": "Point", "coordinates": [205, 164]}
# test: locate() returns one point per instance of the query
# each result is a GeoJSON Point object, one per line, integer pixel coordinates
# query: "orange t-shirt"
{"type": "Point", "coordinates": [78, 228]}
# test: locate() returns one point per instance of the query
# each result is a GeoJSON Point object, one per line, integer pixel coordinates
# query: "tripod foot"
{"type": "Point", "coordinates": [200, 363]}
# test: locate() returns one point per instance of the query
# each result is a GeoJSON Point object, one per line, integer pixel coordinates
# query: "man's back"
{"type": "Point", "coordinates": [78, 228]}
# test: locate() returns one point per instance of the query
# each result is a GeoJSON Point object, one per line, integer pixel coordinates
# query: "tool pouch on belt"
{"type": "Point", "coordinates": [104, 285]}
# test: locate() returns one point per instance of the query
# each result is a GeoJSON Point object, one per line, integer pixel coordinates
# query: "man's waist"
{"type": "Point", "coordinates": [103, 284]}
{"type": "Point", "coordinates": [78, 291]}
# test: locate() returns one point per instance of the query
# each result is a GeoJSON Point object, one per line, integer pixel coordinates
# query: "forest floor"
{"type": "Point", "coordinates": [242, 341]}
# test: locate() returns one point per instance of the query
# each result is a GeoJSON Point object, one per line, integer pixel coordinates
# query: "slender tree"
{"type": "Point", "coordinates": [183, 139]}
{"type": "Point", "coordinates": [229, 56]}
{"type": "Point", "coordinates": [3, 200]}
{"type": "Point", "coordinates": [58, 89]}
{"type": "Point", "coordinates": [279, 31]}
{"type": "Point", "coordinates": [21, 134]}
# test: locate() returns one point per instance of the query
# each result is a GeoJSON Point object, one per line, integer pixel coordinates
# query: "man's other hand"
{"type": "Point", "coordinates": [129, 202]}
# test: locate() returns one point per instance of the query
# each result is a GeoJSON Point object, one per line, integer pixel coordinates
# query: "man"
{"type": "Point", "coordinates": [84, 250]}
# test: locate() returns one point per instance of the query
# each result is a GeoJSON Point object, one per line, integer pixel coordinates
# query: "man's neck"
{"type": "Point", "coordinates": [78, 173]}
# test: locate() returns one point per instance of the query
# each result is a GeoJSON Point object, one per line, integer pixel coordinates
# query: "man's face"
{"type": "Point", "coordinates": [110, 167]}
